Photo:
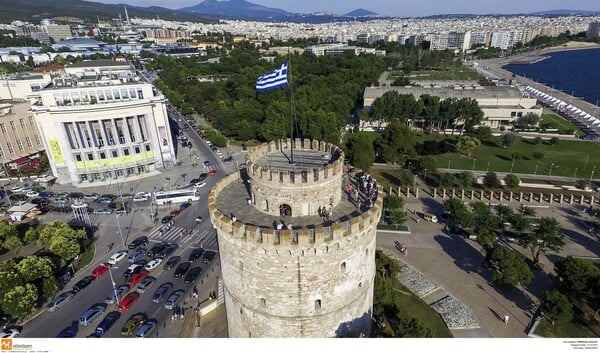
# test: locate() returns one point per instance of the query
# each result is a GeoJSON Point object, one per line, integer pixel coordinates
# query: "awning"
{"type": "Point", "coordinates": [21, 160]}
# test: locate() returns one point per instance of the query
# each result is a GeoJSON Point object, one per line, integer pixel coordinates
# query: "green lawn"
{"type": "Point", "coordinates": [567, 158]}
{"type": "Point", "coordinates": [86, 257]}
{"type": "Point", "coordinates": [562, 125]}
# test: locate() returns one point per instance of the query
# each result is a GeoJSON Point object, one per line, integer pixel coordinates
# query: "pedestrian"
{"type": "Point", "coordinates": [506, 319]}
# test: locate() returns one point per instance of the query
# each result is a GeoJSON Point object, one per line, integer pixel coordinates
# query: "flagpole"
{"type": "Point", "coordinates": [291, 109]}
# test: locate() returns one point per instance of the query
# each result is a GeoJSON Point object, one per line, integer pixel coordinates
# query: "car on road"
{"type": "Point", "coordinates": [68, 332]}
{"type": "Point", "coordinates": [166, 219]}
{"type": "Point", "coordinates": [146, 328]}
{"type": "Point", "coordinates": [213, 172]}
{"type": "Point", "coordinates": [106, 210]}
{"type": "Point", "coordinates": [184, 205]}
{"type": "Point", "coordinates": [193, 274]}
{"type": "Point", "coordinates": [136, 278]}
{"type": "Point", "coordinates": [172, 262]}
{"type": "Point", "coordinates": [202, 176]}
{"type": "Point", "coordinates": [590, 137]}
{"type": "Point", "coordinates": [137, 242]}
{"type": "Point", "coordinates": [12, 332]}
{"type": "Point", "coordinates": [103, 200]}
{"type": "Point", "coordinates": [82, 283]}
{"type": "Point", "coordinates": [145, 283]}
{"type": "Point", "coordinates": [133, 323]}
{"type": "Point", "coordinates": [106, 323]}
{"type": "Point", "coordinates": [92, 314]}
{"type": "Point", "coordinates": [200, 185]}
{"type": "Point", "coordinates": [195, 254]}
{"type": "Point", "coordinates": [46, 194]}
{"type": "Point", "coordinates": [141, 196]}
{"type": "Point", "coordinates": [136, 254]}
{"type": "Point", "coordinates": [181, 269]}
{"type": "Point", "coordinates": [160, 293]}
{"type": "Point", "coordinates": [92, 196]}
{"type": "Point", "coordinates": [61, 300]}
{"type": "Point", "coordinates": [194, 181]}
{"type": "Point", "coordinates": [168, 250]}
{"type": "Point", "coordinates": [208, 256]}
{"type": "Point", "coordinates": [117, 257]}
{"type": "Point", "coordinates": [122, 210]}
{"type": "Point", "coordinates": [135, 268]}
{"type": "Point", "coordinates": [156, 249]}
{"type": "Point", "coordinates": [207, 163]}
{"type": "Point", "coordinates": [116, 293]}
{"type": "Point", "coordinates": [154, 263]}
{"type": "Point", "coordinates": [174, 298]}
{"type": "Point", "coordinates": [100, 269]}
{"type": "Point", "coordinates": [128, 301]}
{"type": "Point", "coordinates": [174, 213]}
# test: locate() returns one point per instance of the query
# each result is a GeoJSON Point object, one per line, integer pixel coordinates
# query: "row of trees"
{"type": "Point", "coordinates": [428, 111]}
{"type": "Point", "coordinates": [23, 281]}
{"type": "Point", "coordinates": [325, 91]}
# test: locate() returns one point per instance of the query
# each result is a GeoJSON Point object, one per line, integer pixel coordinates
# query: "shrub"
{"type": "Point", "coordinates": [490, 180]}
{"type": "Point", "coordinates": [537, 140]}
{"type": "Point", "coordinates": [554, 141]}
{"type": "Point", "coordinates": [502, 128]}
{"type": "Point", "coordinates": [512, 181]}
{"type": "Point", "coordinates": [538, 155]}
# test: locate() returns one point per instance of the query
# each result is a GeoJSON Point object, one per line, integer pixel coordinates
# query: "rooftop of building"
{"type": "Point", "coordinates": [302, 159]}
{"type": "Point", "coordinates": [96, 63]}
{"type": "Point", "coordinates": [79, 41]}
{"type": "Point", "coordinates": [448, 92]}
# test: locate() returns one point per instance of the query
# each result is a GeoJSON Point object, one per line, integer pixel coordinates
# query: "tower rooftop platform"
{"type": "Point", "coordinates": [303, 159]}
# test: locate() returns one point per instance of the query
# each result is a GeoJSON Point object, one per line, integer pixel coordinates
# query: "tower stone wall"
{"type": "Point", "coordinates": [309, 281]}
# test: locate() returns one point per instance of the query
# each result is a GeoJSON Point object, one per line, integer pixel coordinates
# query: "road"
{"type": "Point", "coordinates": [139, 222]}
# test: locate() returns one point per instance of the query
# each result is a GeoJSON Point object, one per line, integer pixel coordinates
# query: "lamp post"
{"type": "Point", "coordinates": [551, 166]}
{"type": "Point", "coordinates": [591, 177]}
{"type": "Point", "coordinates": [425, 176]}
{"type": "Point", "coordinates": [112, 281]}
{"type": "Point", "coordinates": [512, 164]}
{"type": "Point", "coordinates": [119, 227]}
{"type": "Point", "coordinates": [575, 174]}
{"type": "Point", "coordinates": [488, 168]}
{"type": "Point", "coordinates": [473, 167]}
{"type": "Point", "coordinates": [449, 161]}
{"type": "Point", "coordinates": [536, 167]}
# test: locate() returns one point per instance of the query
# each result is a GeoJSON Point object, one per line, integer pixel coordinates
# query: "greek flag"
{"type": "Point", "coordinates": [273, 80]}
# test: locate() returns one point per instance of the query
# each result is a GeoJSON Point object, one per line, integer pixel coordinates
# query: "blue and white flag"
{"type": "Point", "coordinates": [273, 80]}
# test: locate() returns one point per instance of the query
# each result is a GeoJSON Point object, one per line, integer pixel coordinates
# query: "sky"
{"type": "Point", "coordinates": [400, 8]}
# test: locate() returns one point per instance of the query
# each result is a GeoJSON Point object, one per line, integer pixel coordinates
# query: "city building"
{"type": "Point", "coordinates": [501, 105]}
{"type": "Point", "coordinates": [593, 30]}
{"type": "Point", "coordinates": [100, 123]}
{"type": "Point", "coordinates": [20, 140]}
{"type": "Point", "coordinates": [297, 254]}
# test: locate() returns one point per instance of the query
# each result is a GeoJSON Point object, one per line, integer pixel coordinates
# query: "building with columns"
{"type": "Point", "coordinates": [99, 122]}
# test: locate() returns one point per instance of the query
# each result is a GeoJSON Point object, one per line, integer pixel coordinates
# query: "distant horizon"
{"type": "Point", "coordinates": [396, 8]}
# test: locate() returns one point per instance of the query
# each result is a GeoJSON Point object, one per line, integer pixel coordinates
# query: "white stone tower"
{"type": "Point", "coordinates": [287, 271]}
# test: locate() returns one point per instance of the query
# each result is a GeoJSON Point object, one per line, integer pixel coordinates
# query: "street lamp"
{"type": "Point", "coordinates": [473, 168]}
{"type": "Point", "coordinates": [449, 161]}
{"type": "Point", "coordinates": [512, 164]}
{"type": "Point", "coordinates": [425, 176]}
{"type": "Point", "coordinates": [551, 166]}
{"type": "Point", "coordinates": [591, 176]}
{"type": "Point", "coordinates": [112, 280]}
{"type": "Point", "coordinates": [575, 174]}
{"type": "Point", "coordinates": [488, 168]}
{"type": "Point", "coordinates": [536, 167]}
{"type": "Point", "coordinates": [119, 226]}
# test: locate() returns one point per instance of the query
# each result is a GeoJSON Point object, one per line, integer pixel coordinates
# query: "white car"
{"type": "Point", "coordinates": [32, 193]}
{"type": "Point", "coordinates": [200, 185]}
{"type": "Point", "coordinates": [153, 263]}
{"type": "Point", "coordinates": [10, 333]}
{"type": "Point", "coordinates": [17, 189]}
{"type": "Point", "coordinates": [116, 257]}
{"type": "Point", "coordinates": [141, 196]}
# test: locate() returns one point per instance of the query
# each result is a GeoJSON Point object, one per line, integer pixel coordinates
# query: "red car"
{"type": "Point", "coordinates": [213, 172]}
{"type": "Point", "coordinates": [100, 270]}
{"type": "Point", "coordinates": [136, 278]}
{"type": "Point", "coordinates": [128, 301]}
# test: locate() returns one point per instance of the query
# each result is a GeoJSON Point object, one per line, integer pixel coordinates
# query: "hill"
{"type": "Point", "coordinates": [237, 9]}
{"type": "Point", "coordinates": [361, 13]}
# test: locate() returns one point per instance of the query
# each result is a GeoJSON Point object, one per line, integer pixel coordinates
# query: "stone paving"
{"type": "Point", "coordinates": [455, 314]}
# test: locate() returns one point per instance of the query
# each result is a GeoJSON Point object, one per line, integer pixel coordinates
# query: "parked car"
{"type": "Point", "coordinates": [135, 268]}
{"type": "Point", "coordinates": [168, 250]}
{"type": "Point", "coordinates": [10, 332]}
{"type": "Point", "coordinates": [68, 332]}
{"type": "Point", "coordinates": [192, 275]}
{"type": "Point", "coordinates": [136, 254]}
{"type": "Point", "coordinates": [141, 196]}
{"type": "Point", "coordinates": [174, 298]}
{"type": "Point", "coordinates": [103, 200]}
{"type": "Point", "coordinates": [136, 278]}
{"type": "Point", "coordinates": [46, 194]}
{"type": "Point", "coordinates": [60, 301]}
{"type": "Point", "coordinates": [182, 269]}
{"type": "Point", "coordinates": [32, 193]}
{"type": "Point", "coordinates": [117, 257]}
{"type": "Point", "coordinates": [137, 242]}
{"type": "Point", "coordinates": [146, 328]}
{"type": "Point", "coordinates": [145, 283]}
{"type": "Point", "coordinates": [116, 293]}
{"type": "Point", "coordinates": [83, 283]}
{"type": "Point", "coordinates": [91, 314]}
{"type": "Point", "coordinates": [154, 263]}
{"type": "Point", "coordinates": [133, 323]}
{"type": "Point", "coordinates": [184, 205]}
{"type": "Point", "coordinates": [208, 256]}
{"type": "Point", "coordinates": [107, 211]}
{"type": "Point", "coordinates": [92, 196]}
{"type": "Point", "coordinates": [156, 249]}
{"type": "Point", "coordinates": [172, 262]}
{"type": "Point", "coordinates": [160, 293]}
{"type": "Point", "coordinates": [106, 323]}
{"type": "Point", "coordinates": [128, 301]}
{"type": "Point", "coordinates": [195, 254]}
{"type": "Point", "coordinates": [123, 210]}
{"type": "Point", "coordinates": [100, 270]}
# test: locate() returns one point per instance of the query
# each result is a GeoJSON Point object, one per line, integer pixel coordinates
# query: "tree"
{"type": "Point", "coordinates": [276, 124]}
{"type": "Point", "coordinates": [484, 133]}
{"type": "Point", "coordinates": [486, 237]}
{"type": "Point", "coordinates": [546, 237]}
{"type": "Point", "coordinates": [512, 181]}
{"type": "Point", "coordinates": [426, 164]}
{"type": "Point", "coordinates": [391, 202]}
{"type": "Point", "coordinates": [466, 179]}
{"type": "Point", "coordinates": [490, 180]}
{"type": "Point", "coordinates": [20, 300]}
{"type": "Point", "coordinates": [528, 120]}
{"type": "Point", "coordinates": [12, 242]}
{"type": "Point", "coordinates": [58, 228]}
{"type": "Point", "coordinates": [360, 151]}
{"type": "Point", "coordinates": [508, 140]}
{"type": "Point", "coordinates": [413, 328]}
{"type": "Point", "coordinates": [34, 267]}
{"type": "Point", "coordinates": [509, 267]}
{"type": "Point", "coordinates": [65, 248]}
{"type": "Point", "coordinates": [483, 216]}
{"type": "Point", "coordinates": [576, 276]}
{"type": "Point", "coordinates": [468, 144]}
{"type": "Point", "coordinates": [458, 213]}
{"type": "Point", "coordinates": [9, 276]}
{"type": "Point", "coordinates": [395, 143]}
{"type": "Point", "coordinates": [557, 307]}
{"type": "Point", "coordinates": [49, 287]}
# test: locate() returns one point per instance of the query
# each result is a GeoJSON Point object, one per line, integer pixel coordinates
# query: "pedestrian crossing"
{"type": "Point", "coordinates": [204, 236]}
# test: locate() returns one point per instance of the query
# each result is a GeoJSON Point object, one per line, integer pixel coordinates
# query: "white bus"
{"type": "Point", "coordinates": [176, 196]}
